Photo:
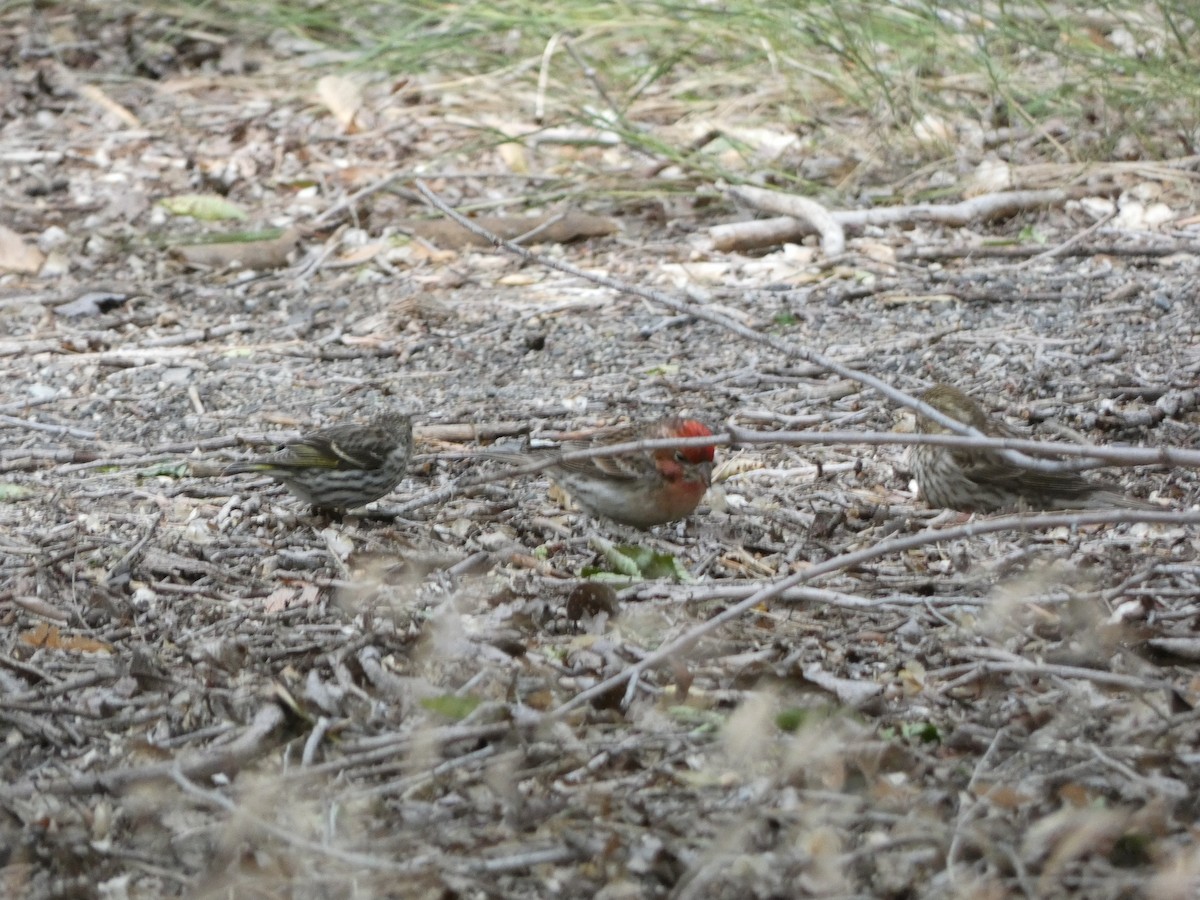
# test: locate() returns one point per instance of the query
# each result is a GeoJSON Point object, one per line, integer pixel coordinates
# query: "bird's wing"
{"type": "Point", "coordinates": [990, 466]}
{"type": "Point", "coordinates": [342, 447]}
{"type": "Point", "coordinates": [1063, 484]}
{"type": "Point", "coordinates": [986, 467]}
{"type": "Point", "coordinates": [626, 467]}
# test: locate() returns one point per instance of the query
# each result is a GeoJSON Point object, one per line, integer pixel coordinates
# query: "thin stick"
{"type": "Point", "coordinates": [1093, 454]}
{"type": "Point", "coordinates": [1121, 455]}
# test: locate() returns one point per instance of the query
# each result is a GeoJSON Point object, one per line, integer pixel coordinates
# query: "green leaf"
{"type": "Point", "coordinates": [664, 565]}
{"type": "Point", "coordinates": [630, 559]}
{"type": "Point", "coordinates": [452, 706]}
{"type": "Point", "coordinates": [700, 719]}
{"type": "Point", "coordinates": [664, 369]}
{"type": "Point", "coordinates": [633, 561]}
{"type": "Point", "coordinates": [1132, 850]}
{"type": "Point", "coordinates": [926, 732]}
{"type": "Point", "coordinates": [206, 207]}
{"type": "Point", "coordinates": [9, 492]}
{"type": "Point", "coordinates": [616, 561]}
{"type": "Point", "coordinates": [791, 719]}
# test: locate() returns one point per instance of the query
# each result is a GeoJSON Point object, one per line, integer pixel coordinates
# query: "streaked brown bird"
{"type": "Point", "coordinates": [977, 480]}
{"type": "Point", "coordinates": [343, 467]}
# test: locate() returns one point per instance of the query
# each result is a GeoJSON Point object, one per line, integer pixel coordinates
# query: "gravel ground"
{"type": "Point", "coordinates": [207, 691]}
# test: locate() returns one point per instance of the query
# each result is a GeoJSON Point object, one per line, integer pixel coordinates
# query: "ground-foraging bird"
{"type": "Point", "coordinates": [979, 480]}
{"type": "Point", "coordinates": [643, 488]}
{"type": "Point", "coordinates": [342, 467]}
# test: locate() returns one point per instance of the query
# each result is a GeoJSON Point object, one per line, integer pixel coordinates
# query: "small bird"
{"type": "Point", "coordinates": [342, 467]}
{"type": "Point", "coordinates": [643, 488]}
{"type": "Point", "coordinates": [976, 480]}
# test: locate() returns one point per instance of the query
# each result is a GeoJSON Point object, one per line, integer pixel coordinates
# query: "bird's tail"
{"type": "Point", "coordinates": [1111, 499]}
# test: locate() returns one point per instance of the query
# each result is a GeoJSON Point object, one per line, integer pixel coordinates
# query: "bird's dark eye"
{"type": "Point", "coordinates": [680, 456]}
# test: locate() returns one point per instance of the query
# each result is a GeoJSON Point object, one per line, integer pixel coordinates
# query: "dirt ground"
{"type": "Point", "coordinates": [206, 691]}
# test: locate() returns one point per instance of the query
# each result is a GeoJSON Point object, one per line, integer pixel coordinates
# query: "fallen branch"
{"type": "Point", "coordinates": [804, 216]}
{"type": "Point", "coordinates": [809, 213]}
{"type": "Point", "coordinates": [1093, 456]}
{"type": "Point", "coordinates": [1002, 662]}
{"type": "Point", "coordinates": [739, 237]}
{"type": "Point", "coordinates": [822, 596]}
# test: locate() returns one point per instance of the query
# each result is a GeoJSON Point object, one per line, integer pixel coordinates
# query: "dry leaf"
{"type": "Point", "coordinates": [357, 256]}
{"type": "Point", "coordinates": [515, 157]}
{"type": "Point", "coordinates": [267, 254]}
{"type": "Point", "coordinates": [990, 176]}
{"type": "Point", "coordinates": [18, 256]}
{"type": "Point", "coordinates": [1003, 795]}
{"type": "Point", "coordinates": [933, 129]}
{"type": "Point", "coordinates": [523, 278]}
{"type": "Point", "coordinates": [280, 599]}
{"type": "Point", "coordinates": [849, 691]}
{"type": "Point", "coordinates": [912, 677]}
{"type": "Point", "coordinates": [343, 98]}
{"type": "Point", "coordinates": [52, 638]}
{"type": "Point", "coordinates": [736, 465]}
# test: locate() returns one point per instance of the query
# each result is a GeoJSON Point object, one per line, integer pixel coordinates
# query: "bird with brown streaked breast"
{"type": "Point", "coordinates": [981, 480]}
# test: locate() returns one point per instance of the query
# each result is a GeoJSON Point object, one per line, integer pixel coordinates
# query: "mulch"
{"type": "Point", "coordinates": [205, 690]}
